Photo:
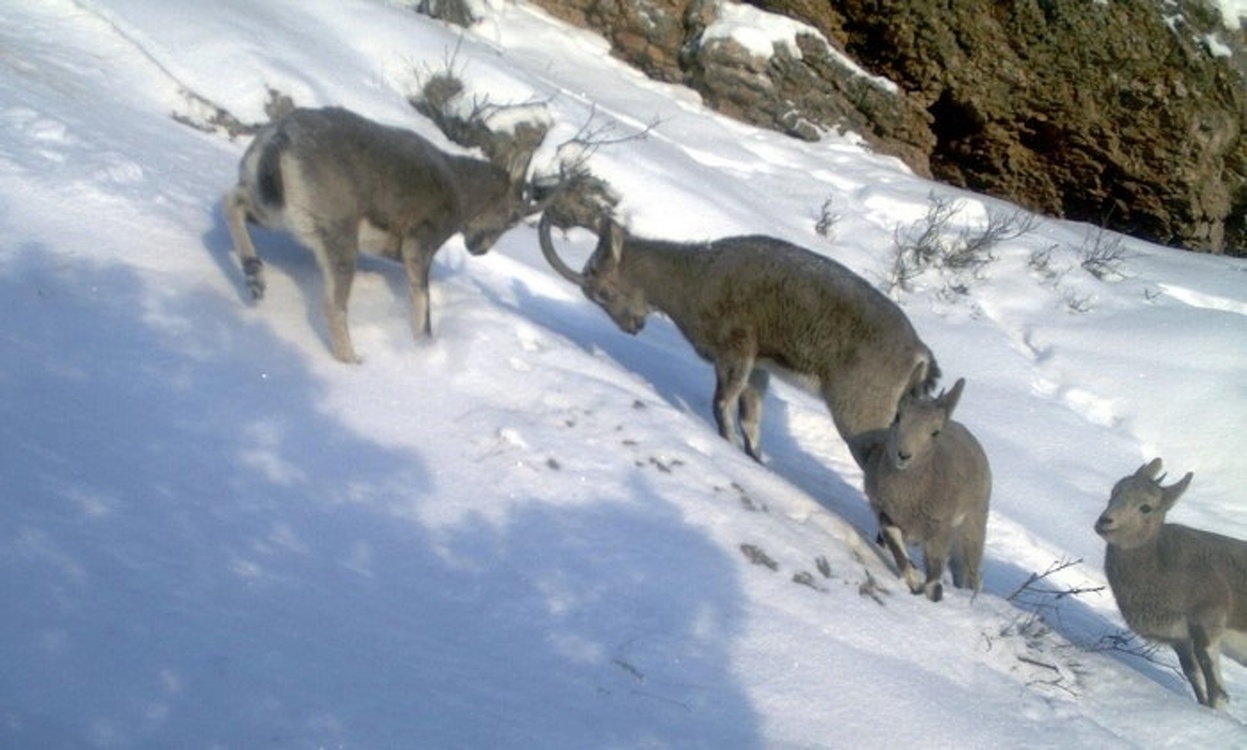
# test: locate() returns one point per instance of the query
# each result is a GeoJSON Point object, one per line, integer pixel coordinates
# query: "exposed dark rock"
{"type": "Point", "coordinates": [1116, 113]}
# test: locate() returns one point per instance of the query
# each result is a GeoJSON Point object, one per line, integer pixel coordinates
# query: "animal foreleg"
{"type": "Point", "coordinates": [894, 540]}
{"type": "Point", "coordinates": [966, 560]}
{"type": "Point", "coordinates": [418, 259]}
{"type": "Point", "coordinates": [957, 567]}
{"type": "Point", "coordinates": [935, 557]}
{"type": "Point", "coordinates": [336, 257]}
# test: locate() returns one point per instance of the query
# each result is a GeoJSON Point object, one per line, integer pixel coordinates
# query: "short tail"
{"type": "Point", "coordinates": [933, 375]}
{"type": "Point", "coordinates": [272, 193]}
{"type": "Point", "coordinates": [923, 377]}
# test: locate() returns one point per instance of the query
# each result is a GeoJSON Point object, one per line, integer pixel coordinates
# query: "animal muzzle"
{"type": "Point", "coordinates": [627, 322]}
{"type": "Point", "coordinates": [1104, 526]}
{"type": "Point", "coordinates": [479, 243]}
{"type": "Point", "coordinates": [480, 247]}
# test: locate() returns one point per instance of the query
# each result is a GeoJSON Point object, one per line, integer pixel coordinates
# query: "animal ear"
{"type": "Point", "coordinates": [949, 400]}
{"type": "Point", "coordinates": [1150, 469]}
{"type": "Point", "coordinates": [1175, 490]}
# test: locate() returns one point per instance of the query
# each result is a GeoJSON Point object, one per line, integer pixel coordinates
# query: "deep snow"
{"type": "Point", "coordinates": [525, 532]}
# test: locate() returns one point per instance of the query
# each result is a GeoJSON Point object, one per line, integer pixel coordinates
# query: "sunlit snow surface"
{"type": "Point", "coordinates": [526, 532]}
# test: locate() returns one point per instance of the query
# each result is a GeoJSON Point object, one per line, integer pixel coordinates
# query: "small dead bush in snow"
{"type": "Point", "coordinates": [828, 218]}
{"type": "Point", "coordinates": [1103, 254]}
{"type": "Point", "coordinates": [505, 133]}
{"type": "Point", "coordinates": [207, 116]}
{"type": "Point", "coordinates": [1042, 264]}
{"type": "Point", "coordinates": [581, 198]}
{"type": "Point", "coordinates": [959, 256]}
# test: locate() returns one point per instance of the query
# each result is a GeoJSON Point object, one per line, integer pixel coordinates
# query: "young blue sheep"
{"type": "Point", "coordinates": [929, 483]}
{"type": "Point", "coordinates": [1175, 584]}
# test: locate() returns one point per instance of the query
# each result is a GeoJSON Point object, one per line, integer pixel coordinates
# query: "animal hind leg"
{"type": "Point", "coordinates": [1208, 660]}
{"type": "Point", "coordinates": [751, 412]}
{"type": "Point", "coordinates": [235, 206]}
{"type": "Point", "coordinates": [731, 380]}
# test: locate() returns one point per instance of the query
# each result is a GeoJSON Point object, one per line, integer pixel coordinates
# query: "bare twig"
{"type": "Point", "coordinates": [575, 196]}
{"type": "Point", "coordinates": [593, 135]}
{"type": "Point", "coordinates": [1126, 642]}
{"type": "Point", "coordinates": [632, 671]}
{"type": "Point", "coordinates": [1038, 663]}
{"type": "Point", "coordinates": [1030, 589]}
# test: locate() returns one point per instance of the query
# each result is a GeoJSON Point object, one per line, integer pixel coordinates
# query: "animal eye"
{"type": "Point", "coordinates": [935, 434]}
{"type": "Point", "coordinates": [1145, 508]}
{"type": "Point", "coordinates": [605, 296]}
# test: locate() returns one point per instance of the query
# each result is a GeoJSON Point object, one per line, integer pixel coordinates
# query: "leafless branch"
{"type": "Point", "coordinates": [1030, 589]}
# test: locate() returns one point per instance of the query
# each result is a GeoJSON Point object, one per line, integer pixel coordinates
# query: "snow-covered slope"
{"type": "Point", "coordinates": [525, 532]}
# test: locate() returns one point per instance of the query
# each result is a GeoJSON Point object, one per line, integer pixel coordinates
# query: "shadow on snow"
{"type": "Point", "coordinates": [193, 550]}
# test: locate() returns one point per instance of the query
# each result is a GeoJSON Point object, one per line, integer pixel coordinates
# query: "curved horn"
{"type": "Point", "coordinates": [552, 257]}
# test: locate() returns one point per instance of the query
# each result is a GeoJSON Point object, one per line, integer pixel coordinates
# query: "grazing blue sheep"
{"type": "Point", "coordinates": [751, 303]}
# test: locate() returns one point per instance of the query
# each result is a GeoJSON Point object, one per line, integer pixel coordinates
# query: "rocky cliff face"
{"type": "Point", "coordinates": [1126, 113]}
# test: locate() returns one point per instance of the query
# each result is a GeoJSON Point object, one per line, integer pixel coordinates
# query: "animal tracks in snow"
{"type": "Point", "coordinates": [46, 138]}
{"type": "Point", "coordinates": [1038, 353]}
{"type": "Point", "coordinates": [1094, 408]}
